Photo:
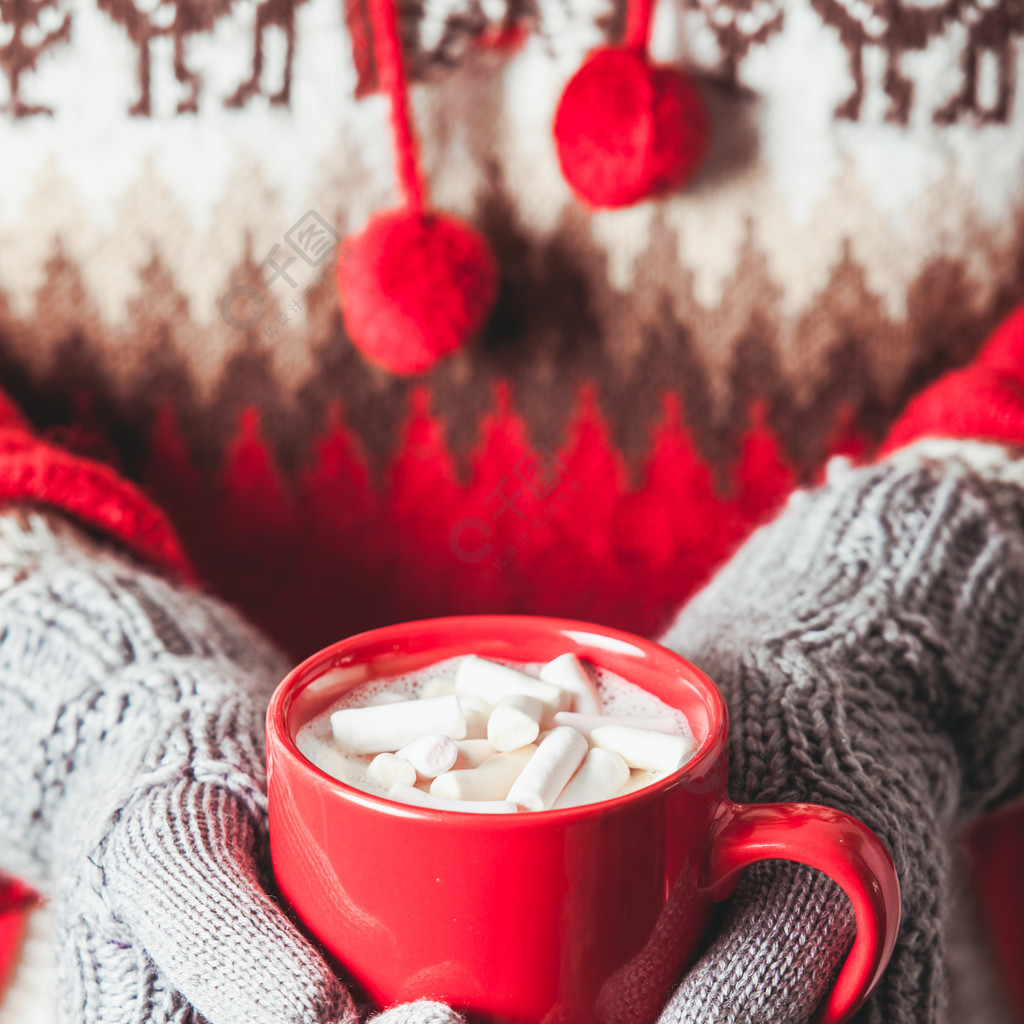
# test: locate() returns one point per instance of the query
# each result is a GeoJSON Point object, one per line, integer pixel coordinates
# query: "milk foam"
{"type": "Point", "coordinates": [315, 740]}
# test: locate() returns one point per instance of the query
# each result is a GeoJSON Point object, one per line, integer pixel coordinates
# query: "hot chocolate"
{"type": "Point", "coordinates": [471, 734]}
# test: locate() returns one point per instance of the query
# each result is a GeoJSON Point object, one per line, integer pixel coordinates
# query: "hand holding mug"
{"type": "Point", "coordinates": [866, 643]}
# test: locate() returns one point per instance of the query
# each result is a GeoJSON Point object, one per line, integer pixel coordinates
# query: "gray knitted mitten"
{"type": "Point", "coordinates": [131, 754]}
{"type": "Point", "coordinates": [870, 644]}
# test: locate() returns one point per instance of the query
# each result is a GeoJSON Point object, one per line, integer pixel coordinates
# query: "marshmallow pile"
{"type": "Point", "coordinates": [497, 740]}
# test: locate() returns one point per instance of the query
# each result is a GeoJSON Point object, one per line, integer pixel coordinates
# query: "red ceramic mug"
{"type": "Point", "coordinates": [579, 916]}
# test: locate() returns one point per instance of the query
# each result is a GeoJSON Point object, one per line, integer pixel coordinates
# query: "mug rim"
{"type": "Point", "coordinates": [278, 734]}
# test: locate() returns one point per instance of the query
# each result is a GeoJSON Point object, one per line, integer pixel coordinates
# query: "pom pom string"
{"type": "Point", "coordinates": [391, 74]}
{"type": "Point", "coordinates": [639, 14]}
{"type": "Point", "coordinates": [417, 284]}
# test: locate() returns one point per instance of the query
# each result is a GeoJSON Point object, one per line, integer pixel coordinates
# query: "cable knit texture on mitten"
{"type": "Point", "coordinates": [131, 749]}
{"type": "Point", "coordinates": [869, 643]}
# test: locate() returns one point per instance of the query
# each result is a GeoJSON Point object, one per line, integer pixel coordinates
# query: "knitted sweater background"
{"type": "Point", "coordinates": [667, 371]}
{"type": "Point", "coordinates": [653, 381]}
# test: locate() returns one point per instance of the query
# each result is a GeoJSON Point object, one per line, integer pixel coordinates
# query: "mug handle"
{"type": "Point", "coordinates": [844, 849]}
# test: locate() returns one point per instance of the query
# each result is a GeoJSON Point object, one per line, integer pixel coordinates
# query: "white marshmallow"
{"type": "Point", "coordinates": [371, 730]}
{"type": "Point", "coordinates": [440, 686]}
{"type": "Point", "coordinates": [571, 674]}
{"type": "Point", "coordinates": [473, 753]}
{"type": "Point", "coordinates": [477, 713]}
{"type": "Point", "coordinates": [490, 780]}
{"type": "Point", "coordinates": [601, 776]}
{"type": "Point", "coordinates": [545, 775]}
{"type": "Point", "coordinates": [389, 769]}
{"type": "Point", "coordinates": [491, 681]}
{"type": "Point", "coordinates": [587, 723]}
{"type": "Point", "coordinates": [644, 748]}
{"type": "Point", "coordinates": [416, 797]}
{"type": "Point", "coordinates": [429, 755]}
{"type": "Point", "coordinates": [514, 722]}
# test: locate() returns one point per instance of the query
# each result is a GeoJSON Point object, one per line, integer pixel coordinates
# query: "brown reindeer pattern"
{"type": "Point", "coordinates": [189, 18]}
{"type": "Point", "coordinates": [991, 28]}
{"type": "Point", "coordinates": [895, 26]}
{"type": "Point", "coordinates": [738, 25]}
{"type": "Point", "coordinates": [982, 29]}
{"type": "Point", "coordinates": [19, 54]}
{"type": "Point", "coordinates": [270, 13]}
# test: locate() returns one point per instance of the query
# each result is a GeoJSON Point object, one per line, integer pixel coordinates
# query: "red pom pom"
{"type": "Point", "coordinates": [414, 287]}
{"type": "Point", "coordinates": [626, 130]}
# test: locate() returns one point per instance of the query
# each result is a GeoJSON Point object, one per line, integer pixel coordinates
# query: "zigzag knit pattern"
{"type": "Point", "coordinates": [869, 644]}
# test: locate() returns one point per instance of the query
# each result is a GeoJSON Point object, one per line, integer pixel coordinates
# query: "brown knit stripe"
{"type": "Point", "coordinates": [558, 324]}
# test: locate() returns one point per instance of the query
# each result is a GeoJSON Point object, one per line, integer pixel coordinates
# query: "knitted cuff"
{"type": "Point", "coordinates": [35, 471]}
{"type": "Point", "coordinates": [982, 401]}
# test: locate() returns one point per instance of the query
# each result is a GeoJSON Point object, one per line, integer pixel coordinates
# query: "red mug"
{"type": "Point", "coordinates": [585, 915]}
